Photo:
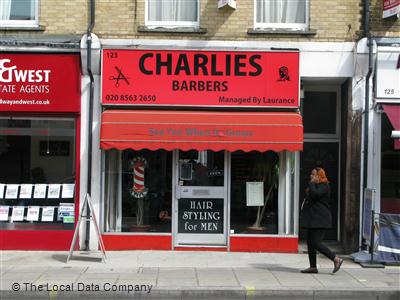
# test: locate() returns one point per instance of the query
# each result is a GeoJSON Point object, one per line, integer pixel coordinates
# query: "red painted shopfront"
{"type": "Point", "coordinates": [40, 97]}
{"type": "Point", "coordinates": [200, 150]}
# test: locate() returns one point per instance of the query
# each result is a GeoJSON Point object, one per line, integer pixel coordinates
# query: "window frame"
{"type": "Point", "coordinates": [326, 88]}
{"type": "Point", "coordinates": [171, 24]}
{"type": "Point", "coordinates": [118, 225]}
{"type": "Point", "coordinates": [24, 23]}
{"type": "Point", "coordinates": [291, 26]}
{"type": "Point", "coordinates": [288, 192]}
{"type": "Point", "coordinates": [59, 132]}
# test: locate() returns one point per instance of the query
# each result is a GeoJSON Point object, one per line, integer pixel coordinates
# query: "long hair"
{"type": "Point", "coordinates": [322, 175]}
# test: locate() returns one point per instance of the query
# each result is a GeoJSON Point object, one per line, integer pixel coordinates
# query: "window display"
{"type": "Point", "coordinates": [254, 175]}
{"type": "Point", "coordinates": [36, 182]}
{"type": "Point", "coordinates": [138, 191]}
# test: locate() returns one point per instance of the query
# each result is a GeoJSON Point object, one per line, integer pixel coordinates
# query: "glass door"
{"type": "Point", "coordinates": [200, 201]}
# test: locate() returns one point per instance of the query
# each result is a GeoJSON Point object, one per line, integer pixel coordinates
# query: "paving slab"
{"type": "Point", "coordinates": [27, 269]}
{"type": "Point", "coordinates": [94, 276]}
{"type": "Point", "coordinates": [391, 270]}
{"type": "Point", "coordinates": [194, 275]}
{"type": "Point", "coordinates": [56, 280]}
{"type": "Point", "coordinates": [216, 277]}
{"type": "Point", "coordinates": [370, 278]}
{"type": "Point", "coordinates": [19, 276]}
{"type": "Point", "coordinates": [58, 275]}
{"type": "Point", "coordinates": [6, 285]}
{"type": "Point", "coordinates": [340, 279]}
{"type": "Point", "coordinates": [135, 276]}
{"type": "Point", "coordinates": [296, 280]}
{"type": "Point", "coordinates": [108, 269]}
{"type": "Point", "coordinates": [248, 277]}
{"type": "Point", "coordinates": [176, 277]}
{"type": "Point", "coordinates": [64, 270]}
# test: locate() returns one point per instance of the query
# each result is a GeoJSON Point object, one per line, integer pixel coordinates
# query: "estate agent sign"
{"type": "Point", "coordinates": [390, 8]}
{"type": "Point", "coordinates": [206, 78]}
{"type": "Point", "coordinates": [40, 82]}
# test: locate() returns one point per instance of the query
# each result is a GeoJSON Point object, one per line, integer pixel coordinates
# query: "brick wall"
{"type": "Point", "coordinates": [64, 17]}
{"type": "Point", "coordinates": [333, 20]}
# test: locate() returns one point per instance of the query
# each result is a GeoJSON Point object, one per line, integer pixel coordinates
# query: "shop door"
{"type": "Point", "coordinates": [200, 201]}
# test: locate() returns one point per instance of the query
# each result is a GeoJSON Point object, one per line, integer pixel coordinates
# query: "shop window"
{"type": "Point", "coordinates": [172, 13]}
{"type": "Point", "coordinates": [19, 13]}
{"type": "Point", "coordinates": [37, 173]}
{"type": "Point", "coordinates": [138, 191]}
{"type": "Point", "coordinates": [254, 192]}
{"type": "Point", "coordinates": [390, 170]}
{"type": "Point", "coordinates": [285, 14]}
{"type": "Point", "coordinates": [320, 113]}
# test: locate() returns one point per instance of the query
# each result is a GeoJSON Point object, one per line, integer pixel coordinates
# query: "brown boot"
{"type": "Point", "coordinates": [309, 270]}
{"type": "Point", "coordinates": [337, 263]}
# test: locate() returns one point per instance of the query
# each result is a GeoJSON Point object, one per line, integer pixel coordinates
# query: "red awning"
{"type": "Point", "coordinates": [201, 130]}
{"type": "Point", "coordinates": [393, 114]}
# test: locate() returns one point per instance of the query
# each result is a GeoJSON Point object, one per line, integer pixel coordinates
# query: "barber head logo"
{"type": "Point", "coordinates": [284, 74]}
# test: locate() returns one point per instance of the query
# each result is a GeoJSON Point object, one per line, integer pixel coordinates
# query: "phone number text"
{"type": "Point", "coordinates": [131, 98]}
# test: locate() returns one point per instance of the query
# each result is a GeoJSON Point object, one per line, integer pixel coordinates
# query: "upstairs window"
{"type": "Point", "coordinates": [19, 13]}
{"type": "Point", "coordinates": [172, 13]}
{"type": "Point", "coordinates": [284, 14]}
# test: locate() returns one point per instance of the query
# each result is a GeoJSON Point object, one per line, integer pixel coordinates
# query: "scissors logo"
{"type": "Point", "coordinates": [120, 77]}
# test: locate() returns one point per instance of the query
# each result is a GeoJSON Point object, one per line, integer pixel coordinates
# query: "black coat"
{"type": "Point", "coordinates": [316, 212]}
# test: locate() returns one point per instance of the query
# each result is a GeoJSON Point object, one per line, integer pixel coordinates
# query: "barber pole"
{"type": "Point", "coordinates": [138, 188]}
{"type": "Point", "coordinates": [138, 181]}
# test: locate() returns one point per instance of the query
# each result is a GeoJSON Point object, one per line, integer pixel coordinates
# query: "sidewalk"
{"type": "Point", "coordinates": [188, 275]}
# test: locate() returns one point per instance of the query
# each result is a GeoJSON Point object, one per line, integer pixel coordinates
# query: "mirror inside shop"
{"type": "Point", "coordinates": [37, 174]}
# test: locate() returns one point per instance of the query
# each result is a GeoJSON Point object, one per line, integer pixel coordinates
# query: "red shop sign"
{"type": "Point", "coordinates": [40, 82]}
{"type": "Point", "coordinates": [206, 78]}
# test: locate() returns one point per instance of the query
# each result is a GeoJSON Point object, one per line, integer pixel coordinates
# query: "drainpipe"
{"type": "Point", "coordinates": [90, 119]}
{"type": "Point", "coordinates": [367, 94]}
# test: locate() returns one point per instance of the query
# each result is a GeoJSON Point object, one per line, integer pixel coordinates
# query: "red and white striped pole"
{"type": "Point", "coordinates": [138, 188]}
{"type": "Point", "coordinates": [138, 177]}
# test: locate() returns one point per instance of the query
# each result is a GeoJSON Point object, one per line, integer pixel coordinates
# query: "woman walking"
{"type": "Point", "coordinates": [316, 218]}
